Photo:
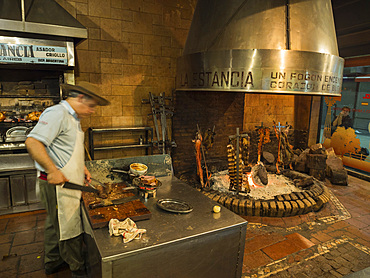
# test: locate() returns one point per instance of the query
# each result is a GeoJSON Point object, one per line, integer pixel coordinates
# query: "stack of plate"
{"type": "Point", "coordinates": [17, 134]}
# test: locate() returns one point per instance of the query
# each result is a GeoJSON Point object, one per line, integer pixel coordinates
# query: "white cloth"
{"type": "Point", "coordinates": [69, 213]}
{"type": "Point", "coordinates": [127, 228]}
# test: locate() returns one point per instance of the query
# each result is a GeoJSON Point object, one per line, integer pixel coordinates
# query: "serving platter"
{"type": "Point", "coordinates": [174, 205]}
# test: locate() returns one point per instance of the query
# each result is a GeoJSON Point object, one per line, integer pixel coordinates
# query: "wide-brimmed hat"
{"type": "Point", "coordinates": [86, 88]}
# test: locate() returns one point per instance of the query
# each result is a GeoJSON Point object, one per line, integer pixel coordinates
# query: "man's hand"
{"type": "Point", "coordinates": [56, 177]}
{"type": "Point", "coordinates": [38, 152]}
{"type": "Point", "coordinates": [87, 175]}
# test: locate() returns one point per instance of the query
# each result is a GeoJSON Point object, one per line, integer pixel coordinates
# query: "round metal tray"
{"type": "Point", "coordinates": [174, 205]}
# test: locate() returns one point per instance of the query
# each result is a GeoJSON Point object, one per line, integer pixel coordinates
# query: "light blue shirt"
{"type": "Point", "coordinates": [55, 132]}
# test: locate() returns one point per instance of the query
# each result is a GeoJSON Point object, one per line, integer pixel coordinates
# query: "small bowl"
{"type": "Point", "coordinates": [138, 169]}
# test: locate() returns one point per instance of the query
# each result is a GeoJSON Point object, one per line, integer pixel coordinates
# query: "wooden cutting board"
{"type": "Point", "coordinates": [100, 217]}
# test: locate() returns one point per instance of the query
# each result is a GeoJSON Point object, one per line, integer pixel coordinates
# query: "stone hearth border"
{"type": "Point", "coordinates": [295, 203]}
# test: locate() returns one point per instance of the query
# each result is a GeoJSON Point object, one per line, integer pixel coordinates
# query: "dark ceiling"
{"type": "Point", "coordinates": [351, 17]}
{"type": "Point", "coordinates": [352, 23]}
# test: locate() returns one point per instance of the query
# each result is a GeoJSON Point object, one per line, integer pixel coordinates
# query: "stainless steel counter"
{"type": "Point", "coordinates": [16, 162]}
{"type": "Point", "coordinates": [198, 244]}
{"type": "Point", "coordinates": [18, 184]}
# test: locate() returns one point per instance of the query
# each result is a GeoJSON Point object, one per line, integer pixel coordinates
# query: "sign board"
{"type": "Point", "coordinates": [261, 71]}
{"type": "Point", "coordinates": [28, 51]}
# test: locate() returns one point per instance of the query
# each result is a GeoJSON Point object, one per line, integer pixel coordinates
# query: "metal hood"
{"type": "Point", "coordinates": [262, 46]}
{"type": "Point", "coordinates": [45, 17]}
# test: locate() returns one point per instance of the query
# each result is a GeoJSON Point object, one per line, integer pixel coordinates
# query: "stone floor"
{"type": "Point", "coordinates": [331, 243]}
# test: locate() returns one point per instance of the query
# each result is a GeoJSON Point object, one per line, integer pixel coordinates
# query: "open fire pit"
{"type": "Point", "coordinates": [269, 187]}
{"type": "Point", "coordinates": [279, 198]}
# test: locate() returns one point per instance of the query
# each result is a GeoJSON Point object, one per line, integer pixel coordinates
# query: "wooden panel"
{"type": "Point", "coordinates": [4, 193]}
{"type": "Point", "coordinates": [30, 180]}
{"type": "Point", "coordinates": [302, 110]}
{"type": "Point", "coordinates": [18, 190]}
{"type": "Point", "coordinates": [357, 61]}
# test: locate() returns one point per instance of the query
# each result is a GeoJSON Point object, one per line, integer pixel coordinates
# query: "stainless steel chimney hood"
{"type": "Point", "coordinates": [262, 46]}
{"type": "Point", "coordinates": [44, 17]}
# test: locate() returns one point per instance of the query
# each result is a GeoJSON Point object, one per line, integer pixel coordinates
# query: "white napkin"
{"type": "Point", "coordinates": [127, 228]}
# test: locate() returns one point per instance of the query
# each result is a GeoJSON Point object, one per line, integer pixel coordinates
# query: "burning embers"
{"type": "Point", "coordinates": [258, 175]}
{"type": "Point", "coordinates": [238, 157]}
{"type": "Point", "coordinates": [255, 182]}
{"type": "Point", "coordinates": [277, 185]}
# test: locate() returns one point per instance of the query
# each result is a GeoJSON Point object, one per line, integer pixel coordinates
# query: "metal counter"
{"type": "Point", "coordinates": [18, 184]}
{"type": "Point", "coordinates": [16, 162]}
{"type": "Point", "coordinates": [198, 244]}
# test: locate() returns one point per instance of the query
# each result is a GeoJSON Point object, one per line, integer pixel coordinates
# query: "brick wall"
{"type": "Point", "coordinates": [223, 110]}
{"type": "Point", "coordinates": [266, 108]}
{"type": "Point", "coordinates": [131, 50]}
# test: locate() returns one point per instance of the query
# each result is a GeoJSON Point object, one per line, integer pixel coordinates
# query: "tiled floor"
{"type": "Point", "coordinates": [331, 243]}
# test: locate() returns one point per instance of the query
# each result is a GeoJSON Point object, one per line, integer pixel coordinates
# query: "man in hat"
{"type": "Point", "coordinates": [56, 144]}
{"type": "Point", "coordinates": [343, 119]}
